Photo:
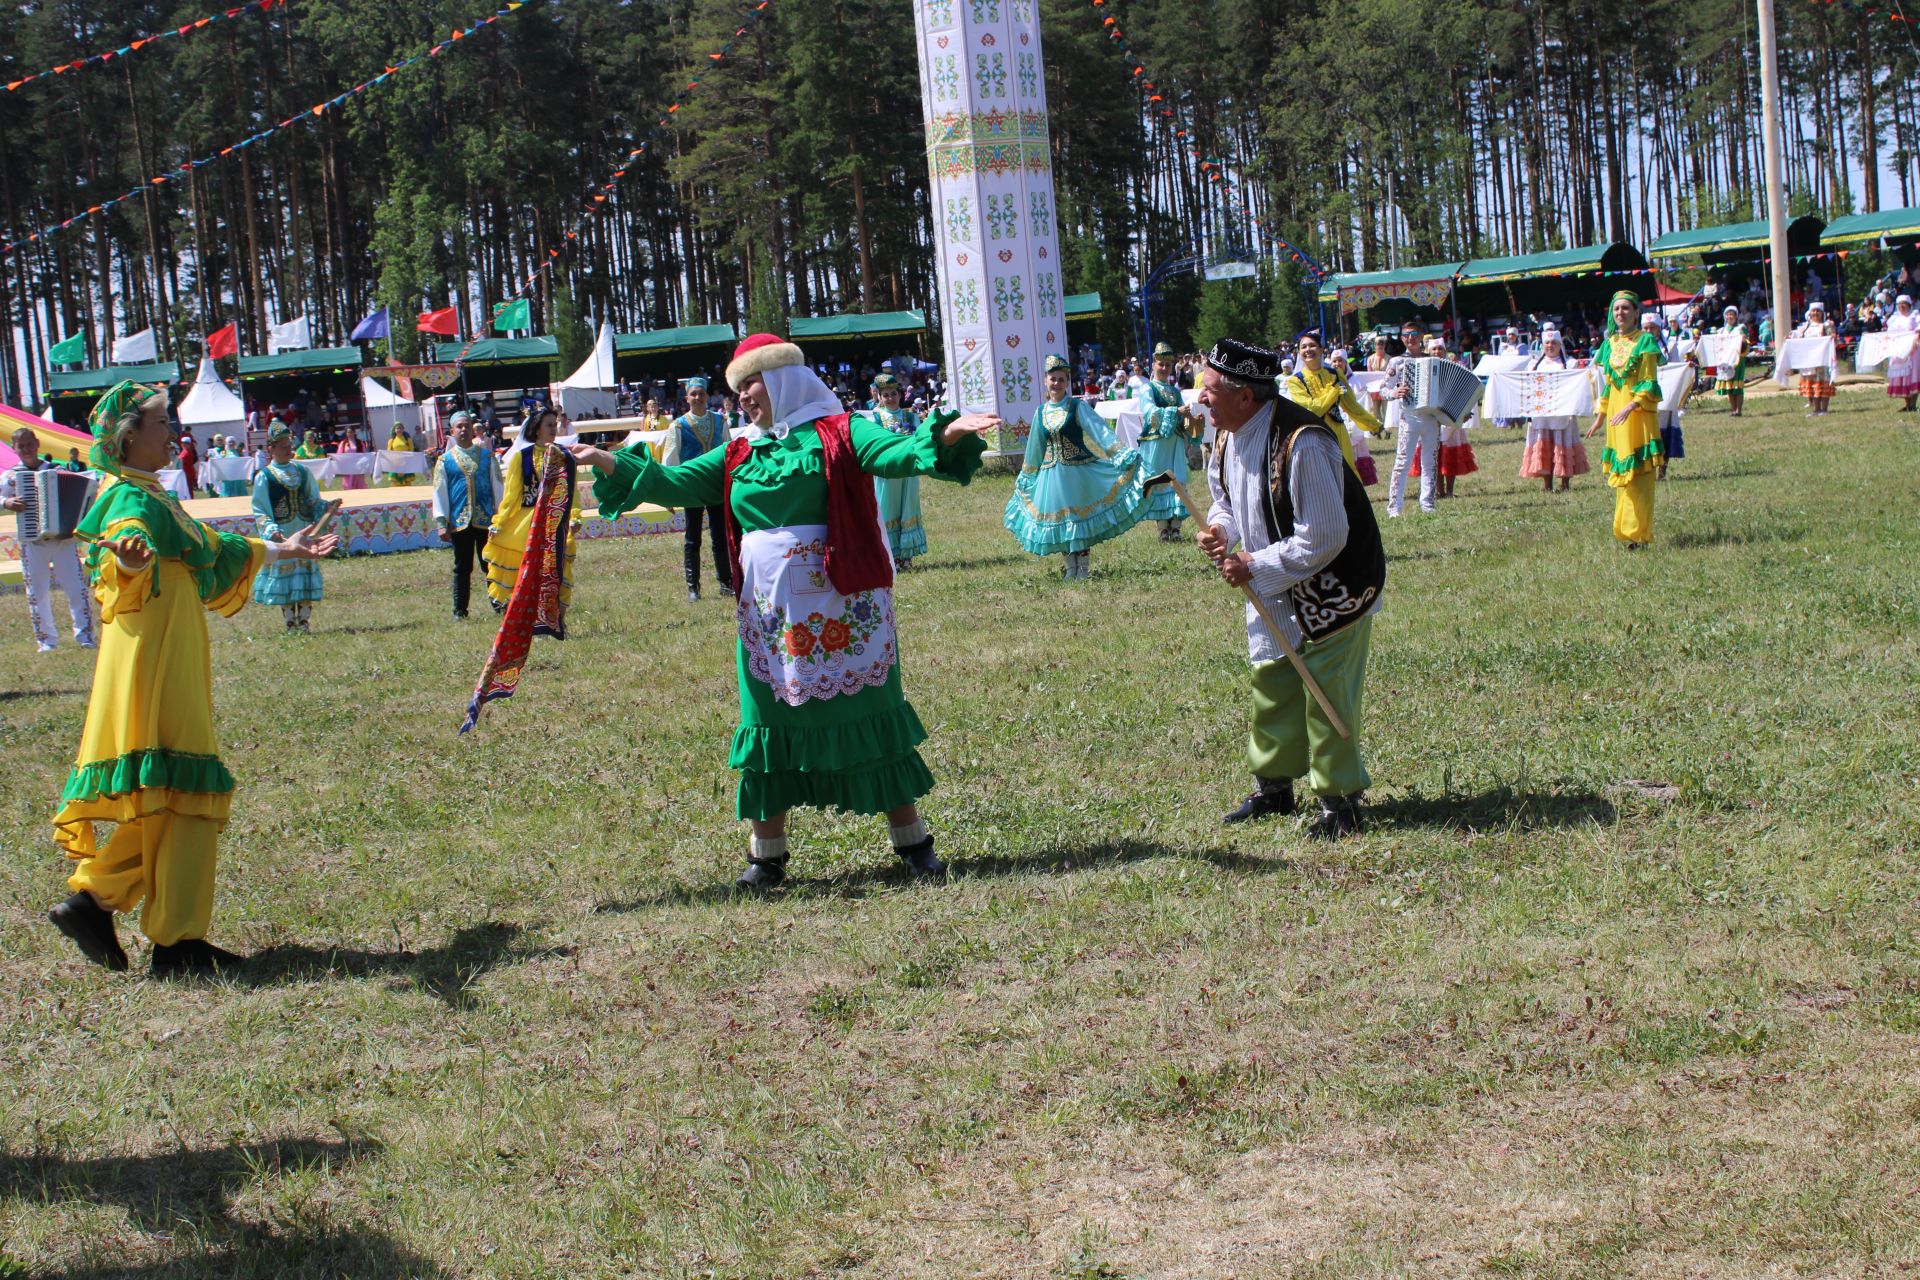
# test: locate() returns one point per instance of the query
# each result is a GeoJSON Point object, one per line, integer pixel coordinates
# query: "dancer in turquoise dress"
{"type": "Point", "coordinates": [1166, 431]}
{"type": "Point", "coordinates": [823, 720]}
{"type": "Point", "coordinates": [286, 498]}
{"type": "Point", "coordinates": [1074, 490]}
{"type": "Point", "coordinates": [899, 498]}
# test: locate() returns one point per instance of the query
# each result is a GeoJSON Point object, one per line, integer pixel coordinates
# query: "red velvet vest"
{"type": "Point", "coordinates": [857, 556]}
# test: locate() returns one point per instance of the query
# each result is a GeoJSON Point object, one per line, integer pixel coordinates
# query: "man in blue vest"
{"type": "Point", "coordinates": [466, 489]}
{"type": "Point", "coordinates": [693, 433]}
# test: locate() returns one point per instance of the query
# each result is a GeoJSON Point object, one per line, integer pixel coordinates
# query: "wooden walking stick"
{"type": "Point", "coordinates": [1266, 615]}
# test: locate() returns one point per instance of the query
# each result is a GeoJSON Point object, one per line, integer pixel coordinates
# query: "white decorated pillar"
{"type": "Point", "coordinates": [984, 93]}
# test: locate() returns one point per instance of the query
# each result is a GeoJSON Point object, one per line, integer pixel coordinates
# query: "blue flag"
{"type": "Point", "coordinates": [374, 326]}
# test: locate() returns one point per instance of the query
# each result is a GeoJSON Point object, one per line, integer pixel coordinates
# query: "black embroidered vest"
{"type": "Point", "coordinates": [1350, 585]}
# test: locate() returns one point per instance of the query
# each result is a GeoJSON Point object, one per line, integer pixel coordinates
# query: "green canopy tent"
{"type": "Point", "coordinates": [673, 353]}
{"type": "Point", "coordinates": [502, 364]}
{"type": "Point", "coordinates": [281, 377]}
{"type": "Point", "coordinates": [1082, 312]}
{"type": "Point", "coordinates": [1738, 242]}
{"type": "Point", "coordinates": [1897, 229]}
{"type": "Point", "coordinates": [71, 394]}
{"type": "Point", "coordinates": [856, 336]}
{"type": "Point", "coordinates": [1551, 281]}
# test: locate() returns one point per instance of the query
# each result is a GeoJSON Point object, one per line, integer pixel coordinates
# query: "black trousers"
{"type": "Point", "coordinates": [716, 526]}
{"type": "Point", "coordinates": [467, 544]}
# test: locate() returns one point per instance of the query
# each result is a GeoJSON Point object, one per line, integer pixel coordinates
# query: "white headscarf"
{"type": "Point", "coordinates": [798, 397]}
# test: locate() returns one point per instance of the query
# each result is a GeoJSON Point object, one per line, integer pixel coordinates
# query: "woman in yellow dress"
{"type": "Point", "coordinates": [1323, 392]}
{"type": "Point", "coordinates": [148, 762]}
{"type": "Point", "coordinates": [525, 464]}
{"type": "Point", "coordinates": [1627, 363]}
{"type": "Point", "coordinates": [310, 446]}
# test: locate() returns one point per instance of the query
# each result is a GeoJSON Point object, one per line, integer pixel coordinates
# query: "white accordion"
{"type": "Point", "coordinates": [1442, 388]}
{"type": "Point", "coordinates": [55, 499]}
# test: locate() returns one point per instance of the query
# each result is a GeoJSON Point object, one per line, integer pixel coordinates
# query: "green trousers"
{"type": "Point", "coordinates": [1291, 736]}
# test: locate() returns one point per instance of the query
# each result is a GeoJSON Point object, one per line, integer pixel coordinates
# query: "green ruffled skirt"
{"type": "Point", "coordinates": [855, 752]}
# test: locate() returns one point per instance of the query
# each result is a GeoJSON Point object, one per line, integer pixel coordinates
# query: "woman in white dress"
{"type": "Point", "coordinates": [1903, 376]}
{"type": "Point", "coordinates": [1553, 444]}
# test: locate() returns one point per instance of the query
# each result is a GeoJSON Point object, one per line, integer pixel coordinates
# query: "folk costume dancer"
{"type": "Point", "coordinates": [148, 761]}
{"type": "Point", "coordinates": [698, 431]}
{"type": "Point", "coordinates": [285, 497]}
{"type": "Point", "coordinates": [823, 720]}
{"type": "Point", "coordinates": [506, 545]}
{"type": "Point", "coordinates": [1816, 387]}
{"type": "Point", "coordinates": [1627, 405]}
{"type": "Point", "coordinates": [47, 564]}
{"type": "Point", "coordinates": [1413, 429]}
{"type": "Point", "coordinates": [1730, 380]}
{"type": "Point", "coordinates": [1322, 392]}
{"type": "Point", "coordinates": [1903, 376]}
{"type": "Point", "coordinates": [350, 444]}
{"type": "Point", "coordinates": [1553, 449]}
{"type": "Point", "coordinates": [1456, 454]}
{"type": "Point", "coordinates": [1166, 430]}
{"type": "Point", "coordinates": [188, 460]}
{"type": "Point", "coordinates": [1363, 464]}
{"type": "Point", "coordinates": [310, 446]}
{"type": "Point", "coordinates": [1074, 489]}
{"type": "Point", "coordinates": [231, 449]}
{"type": "Point", "coordinates": [466, 493]}
{"type": "Point", "coordinates": [899, 499]}
{"type": "Point", "coordinates": [1309, 545]}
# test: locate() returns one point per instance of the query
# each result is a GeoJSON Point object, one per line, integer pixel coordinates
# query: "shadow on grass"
{"type": "Point", "coordinates": [14, 695]}
{"type": "Point", "coordinates": [1720, 536]}
{"type": "Point", "coordinates": [1498, 807]}
{"type": "Point", "coordinates": [929, 564]}
{"type": "Point", "coordinates": [382, 629]}
{"type": "Point", "coordinates": [860, 881]}
{"type": "Point", "coordinates": [446, 972]}
{"type": "Point", "coordinates": [323, 1252]}
{"type": "Point", "coordinates": [160, 1193]}
{"type": "Point", "coordinates": [1716, 473]}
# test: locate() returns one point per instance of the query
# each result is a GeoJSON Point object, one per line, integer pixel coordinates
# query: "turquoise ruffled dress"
{"type": "Point", "coordinates": [900, 498]}
{"type": "Point", "coordinates": [845, 742]}
{"type": "Point", "coordinates": [286, 498]}
{"type": "Point", "coordinates": [1074, 490]}
{"type": "Point", "coordinates": [1163, 448]}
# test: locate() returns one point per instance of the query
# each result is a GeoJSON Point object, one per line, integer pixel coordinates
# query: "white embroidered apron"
{"type": "Point", "coordinates": [804, 640]}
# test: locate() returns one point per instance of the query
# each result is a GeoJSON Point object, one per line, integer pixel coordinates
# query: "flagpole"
{"type": "Point", "coordinates": [1776, 194]}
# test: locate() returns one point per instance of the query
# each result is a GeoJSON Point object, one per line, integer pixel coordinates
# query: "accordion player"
{"type": "Point", "coordinates": [47, 504]}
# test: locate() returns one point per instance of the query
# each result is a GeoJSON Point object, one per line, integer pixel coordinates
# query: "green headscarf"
{"type": "Point", "coordinates": [1645, 343]}
{"type": "Point", "coordinates": [121, 399]}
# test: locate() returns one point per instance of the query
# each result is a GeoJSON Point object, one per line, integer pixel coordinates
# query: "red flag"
{"type": "Point", "coordinates": [223, 342]}
{"type": "Point", "coordinates": [443, 322]}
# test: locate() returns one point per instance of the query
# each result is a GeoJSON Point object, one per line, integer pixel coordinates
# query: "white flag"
{"type": "Point", "coordinates": [136, 348]}
{"type": "Point", "coordinates": [294, 335]}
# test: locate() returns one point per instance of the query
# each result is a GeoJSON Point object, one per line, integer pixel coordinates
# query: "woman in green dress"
{"type": "Point", "coordinates": [823, 720]}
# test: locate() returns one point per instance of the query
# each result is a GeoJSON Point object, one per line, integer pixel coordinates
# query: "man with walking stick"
{"type": "Point", "coordinates": [1311, 565]}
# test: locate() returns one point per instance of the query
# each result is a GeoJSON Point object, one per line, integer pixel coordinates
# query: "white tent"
{"type": "Point", "coordinates": [592, 387]}
{"type": "Point", "coordinates": [210, 408]}
{"type": "Point", "coordinates": [384, 408]}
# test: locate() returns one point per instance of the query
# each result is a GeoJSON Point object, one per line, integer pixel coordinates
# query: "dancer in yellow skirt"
{"type": "Point", "coordinates": [526, 462]}
{"type": "Point", "coordinates": [148, 762]}
{"type": "Point", "coordinates": [1627, 363]}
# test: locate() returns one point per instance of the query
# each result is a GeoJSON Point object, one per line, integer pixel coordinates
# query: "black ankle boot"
{"type": "Point", "coordinates": [762, 873]}
{"type": "Point", "coordinates": [1275, 796]}
{"type": "Point", "coordinates": [1339, 818]}
{"type": "Point", "coordinates": [920, 859]}
{"type": "Point", "coordinates": [90, 926]}
{"type": "Point", "coordinates": [191, 958]}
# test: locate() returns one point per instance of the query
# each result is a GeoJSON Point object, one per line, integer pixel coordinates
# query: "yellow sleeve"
{"type": "Point", "coordinates": [117, 589]}
{"type": "Point", "coordinates": [509, 493]}
{"type": "Point", "coordinates": [1361, 416]}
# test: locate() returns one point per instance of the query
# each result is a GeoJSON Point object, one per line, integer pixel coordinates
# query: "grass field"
{"type": "Point", "coordinates": [1624, 980]}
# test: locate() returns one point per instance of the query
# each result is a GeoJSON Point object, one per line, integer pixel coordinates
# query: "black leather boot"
{"type": "Point", "coordinates": [192, 958]}
{"type": "Point", "coordinates": [1274, 797]}
{"type": "Point", "coordinates": [1339, 818]}
{"type": "Point", "coordinates": [762, 873]}
{"type": "Point", "coordinates": [920, 860]}
{"type": "Point", "coordinates": [90, 925]}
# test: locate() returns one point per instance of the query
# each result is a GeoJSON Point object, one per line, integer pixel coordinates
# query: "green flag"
{"type": "Point", "coordinates": [69, 350]}
{"type": "Point", "coordinates": [513, 315]}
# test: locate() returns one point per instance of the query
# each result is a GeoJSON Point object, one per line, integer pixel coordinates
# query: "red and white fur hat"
{"type": "Point", "coordinates": [759, 353]}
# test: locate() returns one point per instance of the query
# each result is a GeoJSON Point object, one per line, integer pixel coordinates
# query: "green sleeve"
{"type": "Point", "coordinates": [232, 554]}
{"type": "Point", "coordinates": [884, 453]}
{"type": "Point", "coordinates": [1036, 445]}
{"type": "Point", "coordinates": [1096, 428]}
{"type": "Point", "coordinates": [637, 478]}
